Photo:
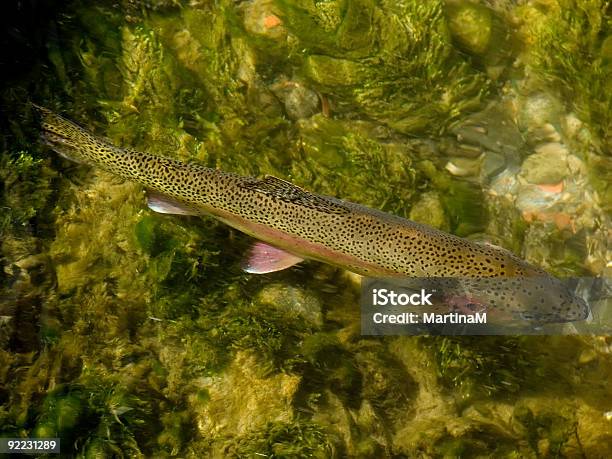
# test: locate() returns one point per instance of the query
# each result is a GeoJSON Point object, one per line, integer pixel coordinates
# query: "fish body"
{"type": "Point", "coordinates": [286, 217]}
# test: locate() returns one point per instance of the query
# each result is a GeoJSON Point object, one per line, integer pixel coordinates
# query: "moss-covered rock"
{"type": "Point", "coordinates": [470, 24]}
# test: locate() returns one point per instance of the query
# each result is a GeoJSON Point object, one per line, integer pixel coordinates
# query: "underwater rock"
{"type": "Point", "coordinates": [574, 130]}
{"type": "Point", "coordinates": [68, 410]}
{"type": "Point", "coordinates": [261, 18]}
{"type": "Point", "coordinates": [428, 210]}
{"type": "Point", "coordinates": [471, 25]}
{"type": "Point", "coordinates": [553, 249]}
{"type": "Point", "coordinates": [463, 167]}
{"type": "Point", "coordinates": [549, 165]}
{"type": "Point", "coordinates": [538, 115]}
{"type": "Point", "coordinates": [532, 198]}
{"type": "Point", "coordinates": [262, 100]}
{"type": "Point", "coordinates": [188, 49]}
{"type": "Point", "coordinates": [329, 71]}
{"type": "Point", "coordinates": [490, 129]}
{"type": "Point", "coordinates": [538, 109]}
{"type": "Point", "coordinates": [60, 416]}
{"type": "Point", "coordinates": [333, 414]}
{"type": "Point", "coordinates": [332, 27]}
{"type": "Point", "coordinates": [300, 102]}
{"type": "Point", "coordinates": [493, 164]}
{"type": "Point", "coordinates": [490, 142]}
{"type": "Point", "coordinates": [293, 300]}
{"type": "Point", "coordinates": [417, 428]}
{"type": "Point", "coordinates": [243, 398]}
{"type": "Point", "coordinates": [505, 183]}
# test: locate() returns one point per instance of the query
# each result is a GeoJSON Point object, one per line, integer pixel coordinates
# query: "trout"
{"type": "Point", "coordinates": [292, 224]}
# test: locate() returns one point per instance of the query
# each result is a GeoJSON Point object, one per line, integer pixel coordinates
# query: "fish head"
{"type": "Point", "coordinates": [530, 293]}
{"type": "Point", "coordinates": [548, 299]}
{"type": "Point", "coordinates": [540, 298]}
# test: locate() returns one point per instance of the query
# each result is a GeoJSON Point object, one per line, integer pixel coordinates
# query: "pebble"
{"type": "Point", "coordinates": [547, 166]}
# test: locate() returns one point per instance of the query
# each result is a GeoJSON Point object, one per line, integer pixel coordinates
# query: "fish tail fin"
{"type": "Point", "coordinates": [66, 138]}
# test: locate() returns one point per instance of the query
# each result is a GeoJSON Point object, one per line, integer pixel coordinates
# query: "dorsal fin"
{"type": "Point", "coordinates": [288, 192]}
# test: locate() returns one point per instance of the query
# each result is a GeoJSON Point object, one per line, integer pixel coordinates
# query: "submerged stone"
{"type": "Point", "coordinates": [300, 101]}
{"type": "Point", "coordinates": [493, 164]}
{"type": "Point", "coordinates": [547, 166]}
{"type": "Point", "coordinates": [470, 24]}
{"type": "Point", "coordinates": [532, 199]}
{"type": "Point", "coordinates": [330, 71]}
{"type": "Point", "coordinates": [464, 167]}
{"type": "Point", "coordinates": [293, 300]}
{"type": "Point", "coordinates": [263, 101]}
{"type": "Point", "coordinates": [261, 18]}
{"type": "Point", "coordinates": [428, 210]}
{"type": "Point", "coordinates": [490, 129]}
{"type": "Point", "coordinates": [538, 114]}
{"type": "Point", "coordinates": [243, 398]}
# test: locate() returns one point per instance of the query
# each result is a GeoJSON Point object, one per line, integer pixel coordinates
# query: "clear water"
{"type": "Point", "coordinates": [133, 334]}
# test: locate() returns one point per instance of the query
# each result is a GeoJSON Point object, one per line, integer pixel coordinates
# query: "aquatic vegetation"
{"type": "Point", "coordinates": [328, 148]}
{"type": "Point", "coordinates": [547, 433]}
{"type": "Point", "coordinates": [499, 366]}
{"type": "Point", "coordinates": [296, 439]}
{"type": "Point", "coordinates": [571, 56]}
{"type": "Point", "coordinates": [393, 63]}
{"type": "Point", "coordinates": [25, 191]}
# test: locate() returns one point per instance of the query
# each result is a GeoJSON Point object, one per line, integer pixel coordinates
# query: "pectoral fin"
{"type": "Point", "coordinates": [264, 258]}
{"type": "Point", "coordinates": [165, 205]}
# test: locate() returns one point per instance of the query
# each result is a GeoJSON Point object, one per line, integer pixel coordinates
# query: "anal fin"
{"type": "Point", "coordinates": [264, 258]}
{"type": "Point", "coordinates": [165, 205]}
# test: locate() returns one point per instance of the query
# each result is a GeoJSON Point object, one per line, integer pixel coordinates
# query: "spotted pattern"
{"type": "Point", "coordinates": [367, 241]}
{"type": "Point", "coordinates": [535, 298]}
{"type": "Point", "coordinates": [288, 192]}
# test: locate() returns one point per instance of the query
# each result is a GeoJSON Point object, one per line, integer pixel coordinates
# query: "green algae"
{"type": "Point", "coordinates": [472, 370]}
{"type": "Point", "coordinates": [25, 191]}
{"type": "Point", "coordinates": [409, 78]}
{"type": "Point", "coordinates": [329, 148]}
{"type": "Point", "coordinates": [59, 416]}
{"type": "Point", "coordinates": [153, 343]}
{"type": "Point", "coordinates": [570, 56]}
{"type": "Point", "coordinates": [278, 440]}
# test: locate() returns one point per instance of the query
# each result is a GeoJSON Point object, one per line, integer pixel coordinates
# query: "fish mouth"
{"type": "Point", "coordinates": [573, 310]}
